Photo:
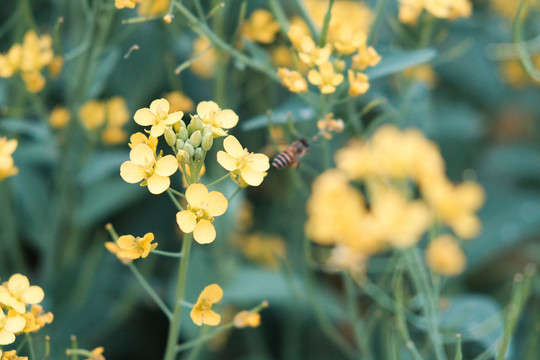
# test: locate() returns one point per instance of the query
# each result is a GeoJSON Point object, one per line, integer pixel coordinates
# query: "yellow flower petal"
{"type": "Point", "coordinates": [197, 316]}
{"type": "Point", "coordinates": [186, 220]}
{"type": "Point", "coordinates": [211, 318]}
{"type": "Point", "coordinates": [212, 293]}
{"type": "Point", "coordinates": [196, 194]}
{"type": "Point", "coordinates": [126, 242]}
{"type": "Point", "coordinates": [131, 172]}
{"type": "Point", "coordinates": [259, 162]}
{"type": "Point", "coordinates": [217, 203]}
{"type": "Point", "coordinates": [144, 117]}
{"type": "Point", "coordinates": [174, 117]}
{"type": "Point", "coordinates": [206, 107]}
{"type": "Point", "coordinates": [142, 154]}
{"type": "Point", "coordinates": [14, 322]}
{"type": "Point", "coordinates": [232, 146]}
{"type": "Point", "coordinates": [166, 166]}
{"type": "Point", "coordinates": [252, 176]}
{"type": "Point", "coordinates": [6, 337]}
{"type": "Point", "coordinates": [227, 118]}
{"type": "Point", "coordinates": [33, 295]}
{"type": "Point", "coordinates": [204, 232]}
{"type": "Point", "coordinates": [158, 129]}
{"type": "Point", "coordinates": [160, 106]}
{"type": "Point", "coordinates": [158, 184]}
{"type": "Point", "coordinates": [18, 282]}
{"type": "Point", "coordinates": [227, 161]}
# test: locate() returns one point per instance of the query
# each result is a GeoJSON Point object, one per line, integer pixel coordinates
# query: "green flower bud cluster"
{"type": "Point", "coordinates": [191, 143]}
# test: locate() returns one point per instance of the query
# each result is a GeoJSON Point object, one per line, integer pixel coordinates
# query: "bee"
{"type": "Point", "coordinates": [292, 156]}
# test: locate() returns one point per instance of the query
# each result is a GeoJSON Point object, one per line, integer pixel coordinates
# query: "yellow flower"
{"type": "Point", "coordinates": [443, 255]}
{"type": "Point", "coordinates": [153, 7]}
{"type": "Point", "coordinates": [328, 125]}
{"type": "Point", "coordinates": [346, 258]}
{"type": "Point", "coordinates": [11, 62]}
{"type": "Point", "coordinates": [12, 355]}
{"type": "Point", "coordinates": [281, 56]}
{"type": "Point", "coordinates": [311, 54]}
{"type": "Point", "coordinates": [135, 247]}
{"type": "Point", "coordinates": [366, 56]}
{"type": "Point", "coordinates": [117, 111]}
{"type": "Point", "coordinates": [97, 354]}
{"type": "Point", "coordinates": [55, 67]}
{"type": "Point", "coordinates": [298, 30]}
{"type": "Point", "coordinates": [261, 27]}
{"type": "Point", "coordinates": [179, 101]}
{"type": "Point", "coordinates": [293, 80]}
{"type": "Point", "coordinates": [16, 293]}
{"type": "Point", "coordinates": [247, 318]}
{"type": "Point", "coordinates": [157, 116]}
{"type": "Point", "coordinates": [92, 114]}
{"type": "Point", "coordinates": [115, 249]}
{"type": "Point", "coordinates": [143, 165]}
{"type": "Point", "coordinates": [36, 319]}
{"type": "Point", "coordinates": [202, 207]}
{"type": "Point", "coordinates": [264, 249]}
{"type": "Point", "coordinates": [34, 81]}
{"type": "Point", "coordinates": [140, 138]}
{"type": "Point", "coordinates": [202, 312]}
{"type": "Point", "coordinates": [120, 4]}
{"type": "Point", "coordinates": [59, 117]}
{"type": "Point", "coordinates": [210, 114]}
{"type": "Point", "coordinates": [251, 167]}
{"type": "Point", "coordinates": [205, 58]}
{"type": "Point", "coordinates": [113, 135]}
{"type": "Point", "coordinates": [9, 325]}
{"type": "Point", "coordinates": [325, 78]}
{"type": "Point", "coordinates": [449, 9]}
{"type": "Point", "coordinates": [36, 52]}
{"type": "Point", "coordinates": [7, 165]}
{"type": "Point", "coordinates": [346, 40]}
{"type": "Point", "coordinates": [359, 83]}
{"type": "Point", "coordinates": [410, 10]}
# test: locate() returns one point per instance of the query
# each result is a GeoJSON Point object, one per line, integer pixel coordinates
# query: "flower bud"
{"type": "Point", "coordinates": [189, 148]}
{"type": "Point", "coordinates": [207, 141]}
{"type": "Point", "coordinates": [339, 65]}
{"type": "Point", "coordinates": [183, 133]}
{"type": "Point", "coordinates": [196, 123]}
{"type": "Point", "coordinates": [179, 144]}
{"type": "Point", "coordinates": [181, 124]}
{"type": "Point", "coordinates": [207, 130]}
{"type": "Point", "coordinates": [199, 155]}
{"type": "Point", "coordinates": [170, 136]}
{"type": "Point", "coordinates": [182, 157]}
{"type": "Point", "coordinates": [195, 139]}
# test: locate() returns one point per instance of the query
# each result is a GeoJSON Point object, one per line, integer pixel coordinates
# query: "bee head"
{"type": "Point", "coordinates": [304, 142]}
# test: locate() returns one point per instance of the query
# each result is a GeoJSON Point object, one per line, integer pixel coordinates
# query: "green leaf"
{"type": "Point", "coordinates": [102, 165]}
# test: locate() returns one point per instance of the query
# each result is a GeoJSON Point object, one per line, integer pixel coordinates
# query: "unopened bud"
{"type": "Point", "coordinates": [182, 157]}
{"type": "Point", "coordinates": [179, 144]}
{"type": "Point", "coordinates": [181, 123]}
{"type": "Point", "coordinates": [183, 133]}
{"type": "Point", "coordinates": [207, 141]}
{"type": "Point", "coordinates": [195, 139]}
{"type": "Point", "coordinates": [207, 130]}
{"type": "Point", "coordinates": [199, 155]}
{"type": "Point", "coordinates": [196, 124]}
{"type": "Point", "coordinates": [189, 148]}
{"type": "Point", "coordinates": [170, 136]}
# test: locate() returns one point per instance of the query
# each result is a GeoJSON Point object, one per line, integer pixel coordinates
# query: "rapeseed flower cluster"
{"type": "Point", "coordinates": [7, 165]}
{"type": "Point", "coordinates": [107, 118]}
{"type": "Point", "coordinates": [15, 318]}
{"type": "Point", "coordinates": [28, 59]}
{"type": "Point", "coordinates": [410, 10]}
{"type": "Point", "coordinates": [391, 167]}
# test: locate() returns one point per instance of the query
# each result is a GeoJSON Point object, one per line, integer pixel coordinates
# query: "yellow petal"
{"type": "Point", "coordinates": [174, 117]}
{"type": "Point", "coordinates": [186, 220]}
{"type": "Point", "coordinates": [217, 203]}
{"type": "Point", "coordinates": [14, 323]}
{"type": "Point", "coordinates": [259, 162]}
{"type": "Point", "coordinates": [131, 172]}
{"type": "Point", "coordinates": [211, 318]}
{"type": "Point", "coordinates": [6, 337]}
{"type": "Point", "coordinates": [18, 282]}
{"type": "Point", "coordinates": [158, 184]}
{"type": "Point", "coordinates": [204, 232]}
{"type": "Point", "coordinates": [233, 147]}
{"type": "Point", "coordinates": [142, 154]}
{"type": "Point", "coordinates": [212, 293]}
{"type": "Point", "coordinates": [144, 117]}
{"type": "Point", "coordinates": [227, 119]}
{"type": "Point", "coordinates": [196, 316]}
{"type": "Point", "coordinates": [206, 107]}
{"type": "Point", "coordinates": [158, 129]}
{"type": "Point", "coordinates": [252, 176]}
{"type": "Point", "coordinates": [196, 194]}
{"type": "Point", "coordinates": [160, 105]}
{"type": "Point", "coordinates": [33, 295]}
{"type": "Point", "coordinates": [126, 242]}
{"type": "Point", "coordinates": [315, 77]}
{"type": "Point", "coordinates": [227, 161]}
{"type": "Point", "coordinates": [166, 166]}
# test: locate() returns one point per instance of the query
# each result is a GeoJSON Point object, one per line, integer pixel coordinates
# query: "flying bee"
{"type": "Point", "coordinates": [292, 155]}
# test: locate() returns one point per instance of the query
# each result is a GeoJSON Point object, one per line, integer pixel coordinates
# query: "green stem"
{"type": "Point", "coordinates": [218, 180]}
{"type": "Point", "coordinates": [177, 193]}
{"type": "Point", "coordinates": [174, 325]}
{"type": "Point", "coordinates": [280, 16]}
{"type": "Point", "coordinates": [326, 24]}
{"type": "Point", "coordinates": [176, 203]}
{"type": "Point", "coordinates": [202, 339]}
{"type": "Point", "coordinates": [234, 194]}
{"type": "Point", "coordinates": [146, 286]}
{"type": "Point", "coordinates": [31, 346]}
{"type": "Point", "coordinates": [521, 47]}
{"type": "Point", "coordinates": [307, 18]}
{"type": "Point", "coordinates": [166, 253]}
{"type": "Point", "coordinates": [401, 319]}
{"type": "Point", "coordinates": [379, 12]}
{"type": "Point", "coordinates": [359, 330]}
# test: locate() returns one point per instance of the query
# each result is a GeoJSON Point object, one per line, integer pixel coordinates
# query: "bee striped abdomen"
{"type": "Point", "coordinates": [283, 159]}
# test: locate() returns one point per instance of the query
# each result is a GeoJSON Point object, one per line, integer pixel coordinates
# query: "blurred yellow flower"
{"type": "Point", "coordinates": [202, 312]}
{"type": "Point", "coordinates": [115, 249]}
{"type": "Point", "coordinates": [135, 247]}
{"type": "Point", "coordinates": [444, 256]}
{"type": "Point", "coordinates": [157, 116]}
{"type": "Point", "coordinates": [311, 54]}
{"type": "Point", "coordinates": [210, 114]}
{"type": "Point", "coordinates": [113, 135]}
{"type": "Point", "coordinates": [410, 10]}
{"type": "Point", "coordinates": [325, 78]}
{"type": "Point", "coordinates": [120, 4]}
{"type": "Point", "coordinates": [298, 30]}
{"type": "Point", "coordinates": [260, 27]}
{"type": "Point", "coordinates": [247, 318]}
{"type": "Point", "coordinates": [328, 125]}
{"type": "Point", "coordinates": [9, 325]}
{"type": "Point", "coordinates": [358, 83]}
{"type": "Point", "coordinates": [179, 102]}
{"type": "Point", "coordinates": [152, 7]}
{"type": "Point", "coordinates": [36, 319]}
{"type": "Point", "coordinates": [347, 40]}
{"type": "Point", "coordinates": [205, 58]}
{"type": "Point", "coordinates": [144, 165]}
{"type": "Point", "coordinates": [250, 167]}
{"type": "Point", "coordinates": [16, 293]}
{"type": "Point", "coordinates": [7, 165]}
{"type": "Point", "coordinates": [282, 56]}
{"type": "Point", "coordinates": [11, 62]}
{"type": "Point", "coordinates": [97, 354]}
{"type": "Point", "coordinates": [346, 258]}
{"type": "Point", "coordinates": [293, 80]}
{"type": "Point", "coordinates": [59, 117]}
{"type": "Point", "coordinates": [364, 58]}
{"type": "Point", "coordinates": [12, 355]}
{"type": "Point", "coordinates": [202, 207]}
{"type": "Point", "coordinates": [264, 249]}
{"type": "Point", "coordinates": [92, 114]}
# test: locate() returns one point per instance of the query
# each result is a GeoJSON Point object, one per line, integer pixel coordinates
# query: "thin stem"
{"type": "Point", "coordinates": [174, 325]}
{"type": "Point", "coordinates": [218, 180]}
{"type": "Point", "coordinates": [176, 203]}
{"type": "Point", "coordinates": [359, 331]}
{"type": "Point", "coordinates": [234, 193]}
{"type": "Point", "coordinates": [167, 253]}
{"type": "Point", "coordinates": [517, 36]}
{"type": "Point", "coordinates": [307, 18]}
{"type": "Point", "coordinates": [280, 16]}
{"type": "Point", "coordinates": [202, 339]}
{"type": "Point", "coordinates": [326, 24]}
{"type": "Point", "coordinates": [177, 193]}
{"type": "Point", "coordinates": [146, 286]}
{"type": "Point", "coordinates": [401, 320]}
{"type": "Point", "coordinates": [31, 346]}
{"type": "Point", "coordinates": [379, 12]}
